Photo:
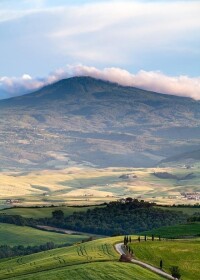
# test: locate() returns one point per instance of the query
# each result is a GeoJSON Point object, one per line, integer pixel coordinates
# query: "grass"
{"type": "Point", "coordinates": [182, 253]}
{"type": "Point", "coordinates": [186, 210]}
{"type": "Point", "coordinates": [179, 231]}
{"type": "Point", "coordinates": [100, 270]}
{"type": "Point", "coordinates": [43, 212]}
{"type": "Point", "coordinates": [17, 235]}
{"type": "Point", "coordinates": [92, 260]}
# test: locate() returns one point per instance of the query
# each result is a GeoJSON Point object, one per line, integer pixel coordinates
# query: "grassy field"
{"type": "Point", "coordinates": [43, 212]}
{"type": "Point", "coordinates": [180, 231]}
{"type": "Point", "coordinates": [46, 212]}
{"type": "Point", "coordinates": [16, 235]}
{"type": "Point", "coordinates": [87, 186]}
{"type": "Point", "coordinates": [186, 210]}
{"type": "Point", "coordinates": [182, 253]}
{"type": "Point", "coordinates": [98, 260]}
{"type": "Point", "coordinates": [92, 260]}
{"type": "Point", "coordinates": [109, 270]}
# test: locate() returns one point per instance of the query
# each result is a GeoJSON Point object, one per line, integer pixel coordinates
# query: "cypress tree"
{"type": "Point", "coordinates": [161, 264]}
{"type": "Point", "coordinates": [124, 240]}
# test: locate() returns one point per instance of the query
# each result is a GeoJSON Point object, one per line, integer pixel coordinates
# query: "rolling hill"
{"type": "Point", "coordinates": [92, 260]}
{"type": "Point", "coordinates": [85, 121]}
{"type": "Point", "coordinates": [99, 260]}
{"type": "Point", "coordinates": [178, 231]}
{"type": "Point", "coordinates": [181, 253]}
{"type": "Point", "coordinates": [17, 235]}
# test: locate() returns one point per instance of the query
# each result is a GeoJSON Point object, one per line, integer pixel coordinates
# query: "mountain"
{"type": "Point", "coordinates": [86, 121]}
{"type": "Point", "coordinates": [183, 158]}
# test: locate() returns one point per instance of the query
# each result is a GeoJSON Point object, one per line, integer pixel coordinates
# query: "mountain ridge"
{"type": "Point", "coordinates": [82, 120]}
{"type": "Point", "coordinates": [105, 82]}
{"type": "Point", "coordinates": [184, 158]}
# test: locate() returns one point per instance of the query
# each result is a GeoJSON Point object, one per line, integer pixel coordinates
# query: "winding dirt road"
{"type": "Point", "coordinates": [121, 250]}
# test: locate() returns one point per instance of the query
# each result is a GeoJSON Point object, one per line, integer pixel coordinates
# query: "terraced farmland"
{"type": "Point", "coordinates": [17, 235]}
{"type": "Point", "coordinates": [92, 260]}
{"type": "Point", "coordinates": [182, 253]}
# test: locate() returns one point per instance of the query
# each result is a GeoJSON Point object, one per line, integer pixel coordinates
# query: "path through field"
{"type": "Point", "coordinates": [121, 250]}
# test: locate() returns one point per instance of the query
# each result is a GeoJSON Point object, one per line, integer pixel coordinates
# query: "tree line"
{"type": "Point", "coordinates": [115, 218]}
{"type": "Point", "coordinates": [7, 251]}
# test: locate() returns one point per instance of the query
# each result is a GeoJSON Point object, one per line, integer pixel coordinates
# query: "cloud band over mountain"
{"type": "Point", "coordinates": [149, 80]}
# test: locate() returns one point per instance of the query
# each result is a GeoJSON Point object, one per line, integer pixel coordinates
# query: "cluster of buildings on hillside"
{"type": "Point", "coordinates": [186, 196]}
{"type": "Point", "coordinates": [191, 195]}
{"type": "Point", "coordinates": [11, 201]}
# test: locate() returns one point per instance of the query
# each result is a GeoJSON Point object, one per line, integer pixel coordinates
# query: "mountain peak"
{"type": "Point", "coordinates": [84, 119]}
{"type": "Point", "coordinates": [87, 83]}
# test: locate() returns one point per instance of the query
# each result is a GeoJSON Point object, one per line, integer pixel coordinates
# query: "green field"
{"type": "Point", "coordinates": [17, 235]}
{"type": "Point", "coordinates": [111, 270]}
{"type": "Point", "coordinates": [46, 212]}
{"type": "Point", "coordinates": [182, 253]}
{"type": "Point", "coordinates": [186, 210]}
{"type": "Point", "coordinates": [92, 260]}
{"type": "Point", "coordinates": [180, 231]}
{"type": "Point", "coordinates": [43, 212]}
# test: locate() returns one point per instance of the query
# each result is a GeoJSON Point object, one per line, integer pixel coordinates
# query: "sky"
{"type": "Point", "coordinates": [152, 44]}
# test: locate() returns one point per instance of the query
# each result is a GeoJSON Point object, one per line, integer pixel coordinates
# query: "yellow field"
{"type": "Point", "coordinates": [78, 185]}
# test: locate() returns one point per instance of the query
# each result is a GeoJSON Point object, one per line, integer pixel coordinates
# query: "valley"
{"type": "Point", "coordinates": [83, 159]}
{"type": "Point", "coordinates": [86, 186]}
{"type": "Point", "coordinates": [99, 140]}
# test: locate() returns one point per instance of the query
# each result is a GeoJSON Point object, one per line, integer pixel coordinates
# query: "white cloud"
{"type": "Point", "coordinates": [100, 32]}
{"type": "Point", "coordinates": [152, 80]}
{"type": "Point", "coordinates": [122, 29]}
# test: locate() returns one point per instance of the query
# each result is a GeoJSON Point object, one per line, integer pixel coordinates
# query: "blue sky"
{"type": "Point", "coordinates": [40, 36]}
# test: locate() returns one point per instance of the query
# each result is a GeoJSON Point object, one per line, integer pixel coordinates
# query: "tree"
{"type": "Point", "coordinates": [139, 238]}
{"type": "Point", "coordinates": [175, 271]}
{"type": "Point", "coordinates": [130, 239]}
{"type": "Point", "coordinates": [159, 238]}
{"type": "Point", "coordinates": [145, 238]}
{"type": "Point", "coordinates": [152, 237]}
{"type": "Point", "coordinates": [129, 200]}
{"type": "Point", "coordinates": [58, 214]}
{"type": "Point", "coordinates": [161, 264]}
